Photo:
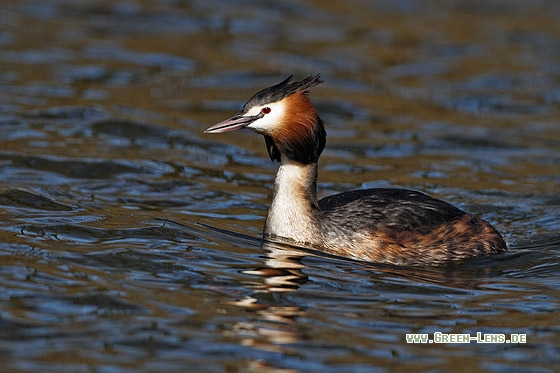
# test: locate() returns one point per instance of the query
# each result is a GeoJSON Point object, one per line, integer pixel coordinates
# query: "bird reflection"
{"type": "Point", "coordinates": [274, 329]}
{"type": "Point", "coordinates": [283, 268]}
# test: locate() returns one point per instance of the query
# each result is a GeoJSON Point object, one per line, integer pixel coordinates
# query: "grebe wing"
{"type": "Point", "coordinates": [400, 208]}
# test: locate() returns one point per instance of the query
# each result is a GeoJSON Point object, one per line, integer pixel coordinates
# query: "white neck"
{"type": "Point", "coordinates": [294, 204]}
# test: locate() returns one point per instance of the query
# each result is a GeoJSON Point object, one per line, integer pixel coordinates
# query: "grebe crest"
{"type": "Point", "coordinates": [394, 226]}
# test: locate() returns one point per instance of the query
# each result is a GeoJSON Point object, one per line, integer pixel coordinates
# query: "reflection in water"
{"type": "Point", "coordinates": [283, 268]}
{"type": "Point", "coordinates": [274, 328]}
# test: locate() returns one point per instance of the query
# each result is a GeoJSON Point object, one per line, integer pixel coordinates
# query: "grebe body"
{"type": "Point", "coordinates": [394, 226]}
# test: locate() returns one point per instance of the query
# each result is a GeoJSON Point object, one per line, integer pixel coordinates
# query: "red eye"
{"type": "Point", "coordinates": [266, 110]}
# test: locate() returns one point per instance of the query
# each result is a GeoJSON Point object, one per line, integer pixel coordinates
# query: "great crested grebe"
{"type": "Point", "coordinates": [395, 226]}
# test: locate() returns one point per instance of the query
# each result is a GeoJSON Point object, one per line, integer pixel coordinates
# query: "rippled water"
{"type": "Point", "coordinates": [130, 240]}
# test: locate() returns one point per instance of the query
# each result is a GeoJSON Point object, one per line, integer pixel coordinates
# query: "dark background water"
{"type": "Point", "coordinates": [102, 108]}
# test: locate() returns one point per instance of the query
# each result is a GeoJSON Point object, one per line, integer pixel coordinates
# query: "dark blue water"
{"type": "Point", "coordinates": [130, 240]}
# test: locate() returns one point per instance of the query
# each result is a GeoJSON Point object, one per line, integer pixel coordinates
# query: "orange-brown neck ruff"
{"type": "Point", "coordinates": [301, 135]}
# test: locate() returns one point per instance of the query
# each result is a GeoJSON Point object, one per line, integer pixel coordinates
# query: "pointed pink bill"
{"type": "Point", "coordinates": [232, 124]}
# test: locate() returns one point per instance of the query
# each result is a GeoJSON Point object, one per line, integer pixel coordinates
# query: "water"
{"type": "Point", "coordinates": [130, 240]}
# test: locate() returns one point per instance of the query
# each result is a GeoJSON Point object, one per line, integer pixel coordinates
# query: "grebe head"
{"type": "Point", "coordinates": [286, 117]}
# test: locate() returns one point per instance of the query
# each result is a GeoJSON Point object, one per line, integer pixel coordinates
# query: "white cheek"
{"type": "Point", "coordinates": [270, 120]}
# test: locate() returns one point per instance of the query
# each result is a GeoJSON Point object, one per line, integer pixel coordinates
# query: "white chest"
{"type": "Point", "coordinates": [291, 213]}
